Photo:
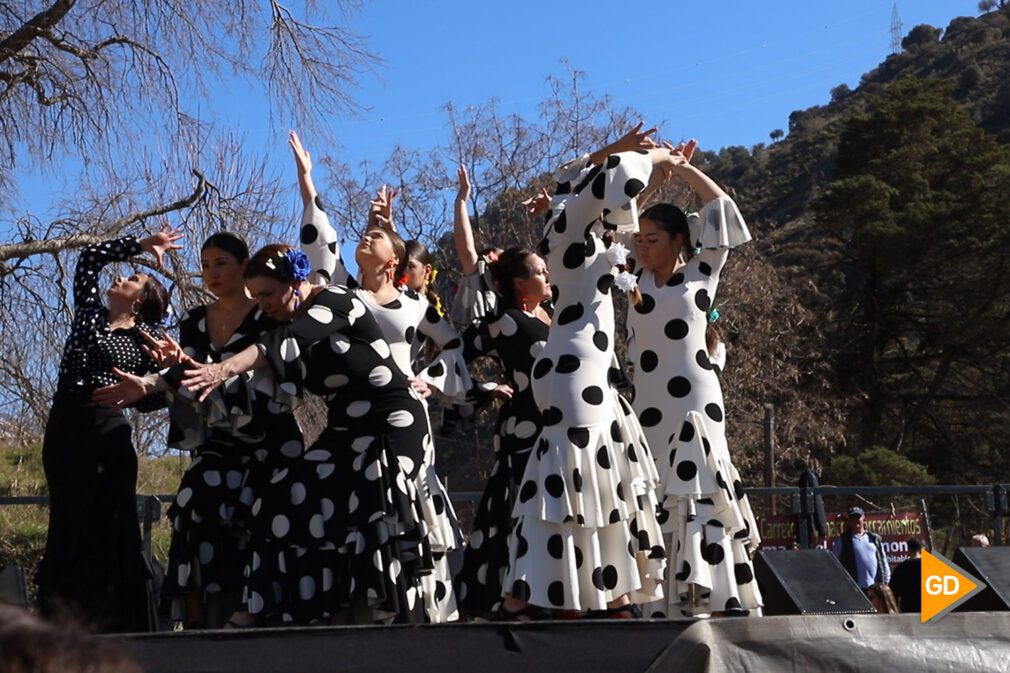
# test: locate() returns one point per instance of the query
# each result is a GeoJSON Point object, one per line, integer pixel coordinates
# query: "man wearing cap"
{"type": "Point", "coordinates": [861, 553]}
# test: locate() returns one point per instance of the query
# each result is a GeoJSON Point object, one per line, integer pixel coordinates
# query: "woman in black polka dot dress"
{"type": "Point", "coordinates": [586, 536]}
{"type": "Point", "coordinates": [239, 439]}
{"type": "Point", "coordinates": [400, 315]}
{"type": "Point", "coordinates": [707, 522]}
{"type": "Point", "coordinates": [338, 535]}
{"type": "Point", "coordinates": [93, 565]}
{"type": "Point", "coordinates": [514, 337]}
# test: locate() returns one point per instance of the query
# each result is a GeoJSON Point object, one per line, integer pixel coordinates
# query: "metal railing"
{"type": "Point", "coordinates": [801, 500]}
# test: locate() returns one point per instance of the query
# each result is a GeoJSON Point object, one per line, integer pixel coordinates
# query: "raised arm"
{"type": "Point", "coordinates": [318, 237]}
{"type": "Point", "coordinates": [94, 258]}
{"type": "Point", "coordinates": [462, 232]}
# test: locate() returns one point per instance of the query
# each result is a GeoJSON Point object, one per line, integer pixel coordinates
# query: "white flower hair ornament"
{"type": "Point", "coordinates": [617, 254]}
{"type": "Point", "coordinates": [626, 281]}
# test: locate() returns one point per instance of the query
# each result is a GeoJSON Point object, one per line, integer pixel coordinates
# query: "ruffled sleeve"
{"type": "Point", "coordinates": [322, 246]}
{"type": "Point", "coordinates": [448, 371]}
{"type": "Point", "coordinates": [475, 298]}
{"type": "Point", "coordinates": [719, 225]}
{"type": "Point", "coordinates": [333, 310]}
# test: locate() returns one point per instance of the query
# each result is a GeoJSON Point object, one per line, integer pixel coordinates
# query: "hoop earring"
{"type": "Point", "coordinates": [297, 295]}
{"type": "Point", "coordinates": [522, 302]}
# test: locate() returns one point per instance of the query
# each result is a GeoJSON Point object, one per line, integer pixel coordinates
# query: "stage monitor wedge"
{"type": "Point", "coordinates": [807, 582]}
{"type": "Point", "coordinates": [992, 566]}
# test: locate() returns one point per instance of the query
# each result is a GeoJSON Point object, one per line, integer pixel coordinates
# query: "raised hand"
{"type": "Point", "coordinates": [162, 242]}
{"type": "Point", "coordinates": [463, 193]}
{"type": "Point", "coordinates": [538, 204]}
{"type": "Point", "coordinates": [303, 160]}
{"type": "Point", "coordinates": [380, 209]}
{"type": "Point", "coordinates": [130, 389]}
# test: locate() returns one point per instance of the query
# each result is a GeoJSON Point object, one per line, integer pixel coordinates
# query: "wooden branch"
{"type": "Point", "coordinates": [38, 25]}
{"type": "Point", "coordinates": [53, 245]}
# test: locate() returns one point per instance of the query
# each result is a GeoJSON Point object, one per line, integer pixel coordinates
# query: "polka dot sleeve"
{"type": "Point", "coordinates": [322, 246]}
{"type": "Point", "coordinates": [475, 298]}
{"type": "Point", "coordinates": [448, 372]}
{"type": "Point", "coordinates": [599, 192]}
{"type": "Point", "coordinates": [333, 310]}
{"type": "Point", "coordinates": [93, 260]}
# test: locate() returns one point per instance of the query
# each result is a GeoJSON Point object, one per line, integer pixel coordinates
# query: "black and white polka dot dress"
{"type": "Point", "coordinates": [239, 439]}
{"type": "Point", "coordinates": [515, 339]}
{"type": "Point", "coordinates": [475, 297]}
{"type": "Point", "coordinates": [586, 531]}
{"type": "Point", "coordinates": [707, 520]}
{"type": "Point", "coordinates": [400, 321]}
{"type": "Point", "coordinates": [341, 527]}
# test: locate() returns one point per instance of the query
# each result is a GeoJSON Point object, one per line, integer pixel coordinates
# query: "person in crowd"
{"type": "Point", "coordinates": [906, 580]}
{"type": "Point", "coordinates": [514, 336]}
{"type": "Point", "coordinates": [400, 314]}
{"type": "Point", "coordinates": [882, 599]}
{"type": "Point", "coordinates": [860, 551]}
{"type": "Point", "coordinates": [238, 439]}
{"type": "Point", "coordinates": [31, 645]}
{"type": "Point", "coordinates": [93, 566]}
{"type": "Point", "coordinates": [586, 536]}
{"type": "Point", "coordinates": [979, 540]}
{"type": "Point", "coordinates": [707, 520]}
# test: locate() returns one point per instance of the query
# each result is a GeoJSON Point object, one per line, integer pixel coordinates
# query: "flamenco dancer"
{"type": "Point", "coordinates": [707, 521]}
{"type": "Point", "coordinates": [238, 439]}
{"type": "Point", "coordinates": [93, 567]}
{"type": "Point", "coordinates": [586, 536]}
{"type": "Point", "coordinates": [338, 535]}
{"type": "Point", "coordinates": [400, 315]}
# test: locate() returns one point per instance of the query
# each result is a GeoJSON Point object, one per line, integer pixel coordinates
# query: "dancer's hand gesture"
{"type": "Point", "coordinates": [129, 390]}
{"type": "Point", "coordinates": [303, 160]}
{"type": "Point", "coordinates": [162, 242]}
{"type": "Point", "coordinates": [463, 193]}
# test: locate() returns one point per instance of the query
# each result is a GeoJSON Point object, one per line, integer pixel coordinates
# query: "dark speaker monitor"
{"type": "Point", "coordinates": [807, 582]}
{"type": "Point", "coordinates": [992, 566]}
{"type": "Point", "coordinates": [13, 588]}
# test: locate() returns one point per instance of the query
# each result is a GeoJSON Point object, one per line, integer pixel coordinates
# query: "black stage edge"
{"type": "Point", "coordinates": [961, 642]}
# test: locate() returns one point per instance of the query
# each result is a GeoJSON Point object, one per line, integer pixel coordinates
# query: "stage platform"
{"type": "Point", "coordinates": [960, 642]}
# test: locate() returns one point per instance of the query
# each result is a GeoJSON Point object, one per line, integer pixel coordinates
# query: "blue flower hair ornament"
{"type": "Point", "coordinates": [293, 264]}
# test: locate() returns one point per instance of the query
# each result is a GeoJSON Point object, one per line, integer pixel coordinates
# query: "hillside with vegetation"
{"type": "Point", "coordinates": [883, 214]}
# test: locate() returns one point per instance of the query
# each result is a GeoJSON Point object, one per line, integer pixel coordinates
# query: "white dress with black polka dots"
{"type": "Point", "coordinates": [586, 530]}
{"type": "Point", "coordinates": [706, 518]}
{"type": "Point", "coordinates": [400, 321]}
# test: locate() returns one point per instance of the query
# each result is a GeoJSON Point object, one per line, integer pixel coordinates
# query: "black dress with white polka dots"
{"type": "Point", "coordinates": [239, 438]}
{"type": "Point", "coordinates": [341, 527]}
{"type": "Point", "coordinates": [93, 563]}
{"type": "Point", "coordinates": [514, 338]}
{"type": "Point", "coordinates": [706, 518]}
{"type": "Point", "coordinates": [586, 531]}
{"type": "Point", "coordinates": [401, 321]}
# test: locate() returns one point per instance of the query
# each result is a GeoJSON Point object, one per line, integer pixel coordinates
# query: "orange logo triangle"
{"type": "Point", "coordinates": [944, 586]}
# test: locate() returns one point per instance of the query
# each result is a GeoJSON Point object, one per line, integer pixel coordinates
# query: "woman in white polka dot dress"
{"type": "Point", "coordinates": [586, 536]}
{"type": "Point", "coordinates": [338, 535]}
{"type": "Point", "coordinates": [400, 314]}
{"type": "Point", "coordinates": [707, 522]}
{"type": "Point", "coordinates": [93, 567]}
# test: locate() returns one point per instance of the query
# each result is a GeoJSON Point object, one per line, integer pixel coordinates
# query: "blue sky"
{"type": "Point", "coordinates": [726, 73]}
